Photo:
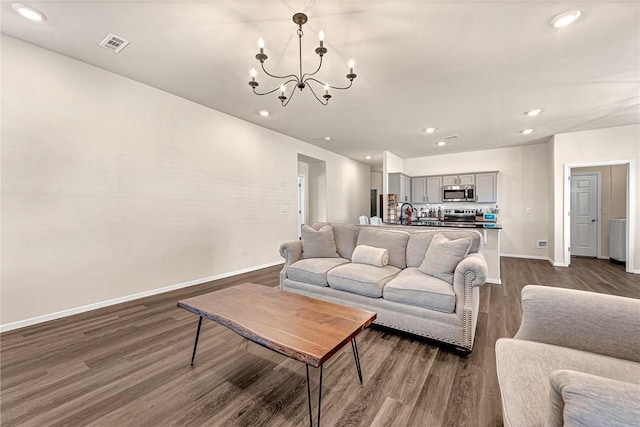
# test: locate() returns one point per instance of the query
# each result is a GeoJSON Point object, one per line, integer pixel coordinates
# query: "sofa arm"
{"type": "Point", "coordinates": [580, 399]}
{"type": "Point", "coordinates": [598, 323]}
{"type": "Point", "coordinates": [474, 267]}
{"type": "Point", "coordinates": [291, 252]}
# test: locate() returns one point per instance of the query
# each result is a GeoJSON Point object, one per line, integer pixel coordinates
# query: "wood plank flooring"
{"type": "Point", "coordinates": [128, 365]}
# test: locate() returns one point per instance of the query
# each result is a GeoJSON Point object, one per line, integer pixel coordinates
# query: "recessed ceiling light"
{"type": "Point", "coordinates": [29, 12]}
{"type": "Point", "coordinates": [441, 143]}
{"type": "Point", "coordinates": [534, 112]}
{"type": "Point", "coordinates": [565, 18]}
{"type": "Point", "coordinates": [527, 131]}
{"type": "Point", "coordinates": [429, 130]}
{"type": "Point", "coordinates": [327, 138]}
{"type": "Point", "coordinates": [263, 113]}
{"type": "Point", "coordinates": [367, 157]}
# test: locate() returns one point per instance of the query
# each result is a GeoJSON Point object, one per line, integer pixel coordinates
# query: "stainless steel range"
{"type": "Point", "coordinates": [460, 216]}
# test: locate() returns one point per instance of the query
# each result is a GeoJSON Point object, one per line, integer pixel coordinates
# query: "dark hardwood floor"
{"type": "Point", "coordinates": [128, 365]}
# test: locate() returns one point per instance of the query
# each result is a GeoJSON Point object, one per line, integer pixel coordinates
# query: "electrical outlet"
{"type": "Point", "coordinates": [527, 210]}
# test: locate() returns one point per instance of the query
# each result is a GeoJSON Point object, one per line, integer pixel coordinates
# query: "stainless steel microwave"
{"type": "Point", "coordinates": [458, 193]}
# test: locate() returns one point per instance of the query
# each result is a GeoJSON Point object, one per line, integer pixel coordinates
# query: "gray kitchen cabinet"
{"type": "Point", "coordinates": [433, 189]}
{"type": "Point", "coordinates": [426, 189]}
{"type": "Point", "coordinates": [487, 187]}
{"type": "Point", "coordinates": [419, 190]}
{"type": "Point", "coordinates": [400, 184]}
{"type": "Point", "coordinates": [467, 179]}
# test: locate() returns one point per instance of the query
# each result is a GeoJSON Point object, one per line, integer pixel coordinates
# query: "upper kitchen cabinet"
{"type": "Point", "coordinates": [434, 189]}
{"type": "Point", "coordinates": [468, 179]}
{"type": "Point", "coordinates": [426, 189]}
{"type": "Point", "coordinates": [400, 184]}
{"type": "Point", "coordinates": [419, 190]}
{"type": "Point", "coordinates": [487, 187]}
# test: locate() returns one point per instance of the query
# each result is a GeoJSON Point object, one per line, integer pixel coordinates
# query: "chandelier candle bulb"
{"type": "Point", "coordinates": [261, 45]}
{"type": "Point", "coordinates": [253, 74]}
{"type": "Point", "coordinates": [326, 89]}
{"type": "Point", "coordinates": [321, 37]}
{"type": "Point", "coordinates": [351, 64]}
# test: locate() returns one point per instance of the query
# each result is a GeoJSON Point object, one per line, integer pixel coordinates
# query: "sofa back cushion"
{"type": "Point", "coordinates": [420, 241]}
{"type": "Point", "coordinates": [395, 242]}
{"type": "Point", "coordinates": [318, 243]}
{"type": "Point", "coordinates": [345, 235]}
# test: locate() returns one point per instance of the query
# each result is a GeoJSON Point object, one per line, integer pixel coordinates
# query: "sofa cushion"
{"type": "Point", "coordinates": [345, 235]}
{"type": "Point", "coordinates": [395, 242]}
{"type": "Point", "coordinates": [524, 369]}
{"type": "Point", "coordinates": [443, 255]}
{"type": "Point", "coordinates": [313, 270]}
{"type": "Point", "coordinates": [419, 241]}
{"type": "Point", "coordinates": [363, 254]}
{"type": "Point", "coordinates": [318, 243]}
{"type": "Point", "coordinates": [413, 287]}
{"type": "Point", "coordinates": [361, 279]}
{"type": "Point", "coordinates": [579, 399]}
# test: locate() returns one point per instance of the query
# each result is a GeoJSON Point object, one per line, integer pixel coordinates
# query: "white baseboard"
{"type": "Point", "coordinates": [494, 281]}
{"type": "Point", "coordinates": [559, 264]}
{"type": "Point", "coordinates": [636, 271]}
{"type": "Point", "coordinates": [543, 258]}
{"type": "Point", "coordinates": [65, 313]}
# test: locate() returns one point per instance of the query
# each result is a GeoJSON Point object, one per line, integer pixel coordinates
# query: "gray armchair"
{"type": "Point", "coordinates": [574, 361]}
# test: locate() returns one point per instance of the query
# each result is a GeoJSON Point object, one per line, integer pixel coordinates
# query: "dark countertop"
{"type": "Point", "coordinates": [476, 225]}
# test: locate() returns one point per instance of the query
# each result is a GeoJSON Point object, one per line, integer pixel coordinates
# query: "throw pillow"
{"type": "Point", "coordinates": [363, 254]}
{"type": "Point", "coordinates": [318, 244]}
{"type": "Point", "coordinates": [443, 255]}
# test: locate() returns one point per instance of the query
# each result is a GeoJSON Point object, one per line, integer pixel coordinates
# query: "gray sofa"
{"type": "Point", "coordinates": [575, 360]}
{"type": "Point", "coordinates": [441, 305]}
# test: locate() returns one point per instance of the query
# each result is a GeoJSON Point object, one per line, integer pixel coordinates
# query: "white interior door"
{"type": "Point", "coordinates": [584, 215]}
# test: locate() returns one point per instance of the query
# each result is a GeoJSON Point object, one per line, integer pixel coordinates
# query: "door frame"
{"type": "Point", "coordinates": [598, 209]}
{"type": "Point", "coordinates": [302, 200]}
{"type": "Point", "coordinates": [631, 209]}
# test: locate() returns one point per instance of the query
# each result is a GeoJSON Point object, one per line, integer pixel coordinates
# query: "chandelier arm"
{"type": "Point", "coordinates": [314, 94]}
{"type": "Point", "coordinates": [332, 87]}
{"type": "Point", "coordinates": [293, 92]}
{"type": "Point", "coordinates": [279, 77]}
{"type": "Point", "coordinates": [305, 76]}
{"type": "Point", "coordinates": [276, 89]}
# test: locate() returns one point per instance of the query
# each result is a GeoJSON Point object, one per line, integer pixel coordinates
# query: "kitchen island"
{"type": "Point", "coordinates": [490, 234]}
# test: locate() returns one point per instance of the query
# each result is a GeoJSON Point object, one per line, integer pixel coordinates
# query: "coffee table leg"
{"type": "Point", "coordinates": [356, 357]}
{"type": "Point", "coordinates": [309, 397]}
{"type": "Point", "coordinates": [195, 344]}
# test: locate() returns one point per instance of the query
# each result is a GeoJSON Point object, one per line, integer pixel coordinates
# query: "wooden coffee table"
{"type": "Point", "coordinates": [296, 326]}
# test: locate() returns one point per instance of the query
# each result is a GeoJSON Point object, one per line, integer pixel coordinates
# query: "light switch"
{"type": "Point", "coordinates": [527, 210]}
{"type": "Point", "coordinates": [284, 208]}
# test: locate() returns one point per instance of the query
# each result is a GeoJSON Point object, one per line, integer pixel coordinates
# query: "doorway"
{"type": "Point", "coordinates": [585, 214]}
{"type": "Point", "coordinates": [622, 180]}
{"type": "Point", "coordinates": [374, 202]}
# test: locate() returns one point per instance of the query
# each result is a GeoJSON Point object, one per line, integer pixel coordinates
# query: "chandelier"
{"type": "Point", "coordinates": [302, 80]}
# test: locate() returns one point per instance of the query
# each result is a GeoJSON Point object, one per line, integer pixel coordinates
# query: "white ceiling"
{"type": "Point", "coordinates": [469, 68]}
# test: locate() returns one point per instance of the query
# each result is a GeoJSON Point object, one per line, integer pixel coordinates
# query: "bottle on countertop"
{"type": "Point", "coordinates": [439, 213]}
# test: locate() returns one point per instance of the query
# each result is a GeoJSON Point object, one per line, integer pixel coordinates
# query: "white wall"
{"type": "Point", "coordinates": [112, 188]}
{"type": "Point", "coordinates": [591, 147]}
{"type": "Point", "coordinates": [523, 182]}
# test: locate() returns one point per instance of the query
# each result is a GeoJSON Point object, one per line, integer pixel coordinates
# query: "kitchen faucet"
{"type": "Point", "coordinates": [402, 211]}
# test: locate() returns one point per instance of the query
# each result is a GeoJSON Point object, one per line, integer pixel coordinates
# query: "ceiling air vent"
{"type": "Point", "coordinates": [114, 43]}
